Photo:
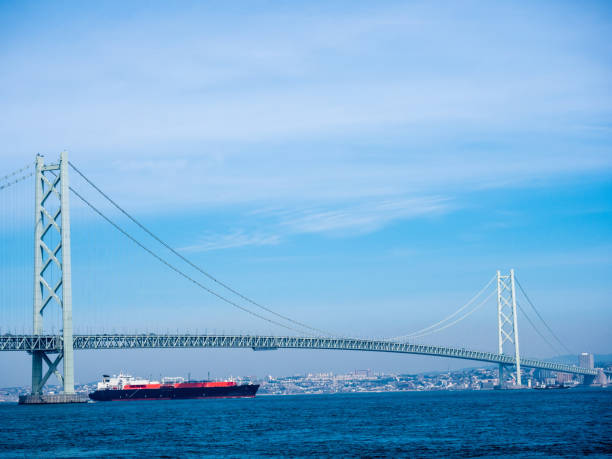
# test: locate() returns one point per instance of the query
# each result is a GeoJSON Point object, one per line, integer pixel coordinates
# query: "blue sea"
{"type": "Point", "coordinates": [571, 423]}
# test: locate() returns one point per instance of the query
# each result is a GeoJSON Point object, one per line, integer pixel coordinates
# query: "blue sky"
{"type": "Point", "coordinates": [362, 167]}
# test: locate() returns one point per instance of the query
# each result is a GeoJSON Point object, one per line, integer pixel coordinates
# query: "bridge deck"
{"type": "Point", "coordinates": [54, 343]}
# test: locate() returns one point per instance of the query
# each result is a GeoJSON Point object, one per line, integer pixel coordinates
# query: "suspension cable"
{"type": "Point", "coordinates": [193, 265]}
{"type": "Point", "coordinates": [467, 314]}
{"type": "Point", "coordinates": [541, 318]}
{"type": "Point", "coordinates": [17, 180]}
{"type": "Point", "coordinates": [536, 328]}
{"type": "Point", "coordinates": [409, 335]}
{"type": "Point", "coordinates": [18, 171]}
{"type": "Point", "coordinates": [177, 270]}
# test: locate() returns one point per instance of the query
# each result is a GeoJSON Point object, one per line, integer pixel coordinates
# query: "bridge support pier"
{"type": "Point", "coordinates": [36, 372]}
{"type": "Point", "coordinates": [588, 380]}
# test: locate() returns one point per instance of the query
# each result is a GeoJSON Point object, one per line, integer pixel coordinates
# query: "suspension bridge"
{"type": "Point", "coordinates": [53, 285]}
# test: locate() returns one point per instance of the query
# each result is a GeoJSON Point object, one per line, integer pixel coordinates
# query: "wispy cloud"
{"type": "Point", "coordinates": [288, 75]}
{"type": "Point", "coordinates": [340, 220]}
{"type": "Point", "coordinates": [362, 217]}
{"type": "Point", "coordinates": [342, 119]}
{"type": "Point", "coordinates": [231, 240]}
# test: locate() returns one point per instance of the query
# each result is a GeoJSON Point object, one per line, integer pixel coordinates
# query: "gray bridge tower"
{"type": "Point", "coordinates": [52, 224]}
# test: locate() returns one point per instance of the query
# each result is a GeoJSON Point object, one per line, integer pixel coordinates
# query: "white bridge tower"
{"type": "Point", "coordinates": [52, 224]}
{"type": "Point", "coordinates": [507, 321]}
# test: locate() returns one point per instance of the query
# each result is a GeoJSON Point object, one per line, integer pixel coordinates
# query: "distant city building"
{"type": "Point", "coordinates": [587, 360]}
{"type": "Point", "coordinates": [564, 377]}
{"type": "Point", "coordinates": [541, 374]}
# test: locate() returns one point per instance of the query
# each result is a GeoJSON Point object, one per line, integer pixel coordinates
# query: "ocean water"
{"type": "Point", "coordinates": [572, 423]}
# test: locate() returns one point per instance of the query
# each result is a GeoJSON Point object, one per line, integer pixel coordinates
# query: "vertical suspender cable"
{"type": "Point", "coordinates": [190, 263]}
{"type": "Point", "coordinates": [542, 319]}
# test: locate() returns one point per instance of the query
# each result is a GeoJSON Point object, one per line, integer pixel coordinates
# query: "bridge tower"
{"type": "Point", "coordinates": [507, 320]}
{"type": "Point", "coordinates": [52, 216]}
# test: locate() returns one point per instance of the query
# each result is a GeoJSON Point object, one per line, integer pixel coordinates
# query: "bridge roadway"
{"type": "Point", "coordinates": [54, 343]}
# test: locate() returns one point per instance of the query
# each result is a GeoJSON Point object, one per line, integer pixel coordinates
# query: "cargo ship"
{"type": "Point", "coordinates": [125, 387]}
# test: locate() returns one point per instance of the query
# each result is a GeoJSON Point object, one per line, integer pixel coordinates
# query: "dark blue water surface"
{"type": "Point", "coordinates": [572, 422]}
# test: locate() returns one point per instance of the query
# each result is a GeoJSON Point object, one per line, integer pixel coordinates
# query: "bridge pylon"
{"type": "Point", "coordinates": [507, 321]}
{"type": "Point", "coordinates": [52, 223]}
